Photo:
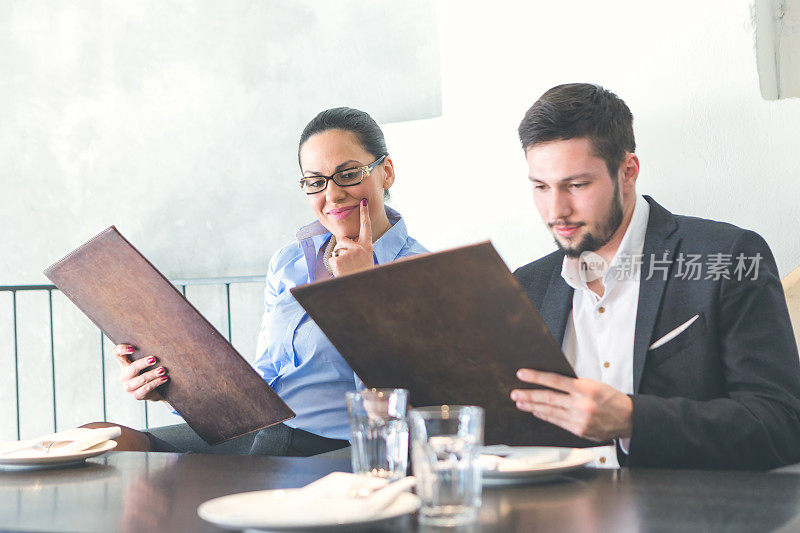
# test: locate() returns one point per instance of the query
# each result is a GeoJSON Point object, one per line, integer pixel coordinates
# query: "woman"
{"type": "Point", "coordinates": [346, 175]}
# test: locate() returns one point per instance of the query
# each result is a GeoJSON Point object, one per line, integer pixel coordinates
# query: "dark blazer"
{"type": "Point", "coordinates": [726, 392]}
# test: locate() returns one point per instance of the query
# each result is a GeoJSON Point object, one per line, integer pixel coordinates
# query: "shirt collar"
{"type": "Point", "coordinates": [385, 249]}
{"type": "Point", "coordinates": [631, 246]}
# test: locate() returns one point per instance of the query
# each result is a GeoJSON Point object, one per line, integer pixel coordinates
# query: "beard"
{"type": "Point", "coordinates": [606, 228]}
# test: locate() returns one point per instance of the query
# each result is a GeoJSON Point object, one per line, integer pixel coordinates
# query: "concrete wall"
{"type": "Point", "coordinates": [178, 121]}
{"type": "Point", "coordinates": [175, 140]}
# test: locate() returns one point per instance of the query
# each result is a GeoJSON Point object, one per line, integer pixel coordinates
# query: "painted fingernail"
{"type": "Point", "coordinates": [161, 371]}
{"type": "Point", "coordinates": [164, 378]}
{"type": "Point", "coordinates": [129, 349]}
{"type": "Point", "coordinates": [364, 202]}
{"type": "Point", "coordinates": [151, 360]}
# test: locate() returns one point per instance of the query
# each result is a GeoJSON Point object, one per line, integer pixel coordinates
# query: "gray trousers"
{"type": "Point", "coordinates": [279, 439]}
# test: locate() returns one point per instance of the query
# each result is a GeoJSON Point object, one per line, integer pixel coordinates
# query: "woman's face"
{"type": "Point", "coordinates": [337, 208]}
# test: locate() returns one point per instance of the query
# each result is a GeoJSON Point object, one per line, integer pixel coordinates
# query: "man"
{"type": "Point", "coordinates": [677, 327]}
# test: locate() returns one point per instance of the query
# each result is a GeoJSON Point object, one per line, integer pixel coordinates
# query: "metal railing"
{"type": "Point", "coordinates": [180, 283]}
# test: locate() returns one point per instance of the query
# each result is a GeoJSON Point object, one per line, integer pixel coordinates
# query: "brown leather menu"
{"type": "Point", "coordinates": [451, 327]}
{"type": "Point", "coordinates": [211, 386]}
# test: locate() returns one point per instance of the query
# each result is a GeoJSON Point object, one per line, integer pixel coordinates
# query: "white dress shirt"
{"type": "Point", "coordinates": [598, 340]}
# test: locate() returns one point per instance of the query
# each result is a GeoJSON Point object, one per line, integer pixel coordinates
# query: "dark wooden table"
{"type": "Point", "coordinates": [154, 492]}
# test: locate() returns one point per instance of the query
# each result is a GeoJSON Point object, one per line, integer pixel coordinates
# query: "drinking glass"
{"type": "Point", "coordinates": [379, 432]}
{"type": "Point", "coordinates": [445, 444]}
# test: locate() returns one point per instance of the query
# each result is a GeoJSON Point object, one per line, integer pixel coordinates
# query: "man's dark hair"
{"type": "Point", "coordinates": [581, 110]}
{"type": "Point", "coordinates": [362, 125]}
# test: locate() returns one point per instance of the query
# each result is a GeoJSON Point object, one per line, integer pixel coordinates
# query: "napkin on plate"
{"type": "Point", "coordinates": [339, 497]}
{"type": "Point", "coordinates": [519, 459]}
{"type": "Point", "coordinates": [347, 495]}
{"type": "Point", "coordinates": [82, 439]}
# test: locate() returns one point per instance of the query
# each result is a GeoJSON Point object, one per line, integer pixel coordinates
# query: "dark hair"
{"type": "Point", "coordinates": [359, 123]}
{"type": "Point", "coordinates": [577, 110]}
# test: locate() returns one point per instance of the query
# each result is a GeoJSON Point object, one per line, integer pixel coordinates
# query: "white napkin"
{"type": "Point", "coordinates": [328, 500]}
{"type": "Point", "coordinates": [524, 458]}
{"type": "Point", "coordinates": [83, 439]}
{"type": "Point", "coordinates": [335, 495]}
{"type": "Point", "coordinates": [341, 485]}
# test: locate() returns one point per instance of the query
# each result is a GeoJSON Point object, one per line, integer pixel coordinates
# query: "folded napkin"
{"type": "Point", "coordinates": [342, 485]}
{"type": "Point", "coordinates": [82, 439]}
{"type": "Point", "coordinates": [519, 459]}
{"type": "Point", "coordinates": [344, 496]}
{"type": "Point", "coordinates": [339, 497]}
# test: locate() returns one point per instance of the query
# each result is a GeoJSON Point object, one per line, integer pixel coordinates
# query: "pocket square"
{"type": "Point", "coordinates": [674, 333]}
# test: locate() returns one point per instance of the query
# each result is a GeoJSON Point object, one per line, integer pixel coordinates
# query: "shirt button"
{"type": "Point", "coordinates": [602, 460]}
{"type": "Point", "coordinates": [606, 364]}
{"type": "Point", "coordinates": [601, 310]}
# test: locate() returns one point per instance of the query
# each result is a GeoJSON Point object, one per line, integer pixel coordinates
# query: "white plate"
{"type": "Point", "coordinates": [567, 459]}
{"type": "Point", "coordinates": [266, 509]}
{"type": "Point", "coordinates": [55, 459]}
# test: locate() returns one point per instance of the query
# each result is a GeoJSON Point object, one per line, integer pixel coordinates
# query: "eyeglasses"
{"type": "Point", "coordinates": [343, 178]}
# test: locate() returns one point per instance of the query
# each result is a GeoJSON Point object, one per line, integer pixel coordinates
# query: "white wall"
{"type": "Point", "coordinates": [179, 121]}
{"type": "Point", "coordinates": [708, 144]}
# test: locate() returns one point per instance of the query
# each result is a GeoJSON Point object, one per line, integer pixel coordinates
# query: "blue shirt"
{"type": "Point", "coordinates": [293, 355]}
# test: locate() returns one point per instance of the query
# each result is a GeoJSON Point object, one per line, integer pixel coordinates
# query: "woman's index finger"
{"type": "Point", "coordinates": [365, 235]}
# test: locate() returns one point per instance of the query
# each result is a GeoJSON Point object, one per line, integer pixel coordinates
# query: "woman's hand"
{"type": "Point", "coordinates": [353, 255]}
{"type": "Point", "coordinates": [139, 384]}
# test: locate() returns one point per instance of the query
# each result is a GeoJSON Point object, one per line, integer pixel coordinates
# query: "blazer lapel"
{"type": "Point", "coordinates": [659, 248]}
{"type": "Point", "coordinates": [557, 305]}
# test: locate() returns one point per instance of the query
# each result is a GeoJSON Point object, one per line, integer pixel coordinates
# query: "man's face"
{"type": "Point", "coordinates": [575, 195]}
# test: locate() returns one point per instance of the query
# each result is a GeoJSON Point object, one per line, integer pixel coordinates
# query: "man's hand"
{"type": "Point", "coordinates": [587, 408]}
{"type": "Point", "coordinates": [353, 255]}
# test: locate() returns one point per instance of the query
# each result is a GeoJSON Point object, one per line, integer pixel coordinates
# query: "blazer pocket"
{"type": "Point", "coordinates": [663, 350]}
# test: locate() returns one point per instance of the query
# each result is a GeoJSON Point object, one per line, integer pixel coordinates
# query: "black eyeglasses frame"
{"type": "Point", "coordinates": [366, 170]}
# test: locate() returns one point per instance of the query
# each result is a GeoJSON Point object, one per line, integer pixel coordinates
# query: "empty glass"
{"type": "Point", "coordinates": [378, 432]}
{"type": "Point", "coordinates": [445, 446]}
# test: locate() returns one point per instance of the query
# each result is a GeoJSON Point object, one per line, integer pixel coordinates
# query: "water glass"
{"type": "Point", "coordinates": [445, 446]}
{"type": "Point", "coordinates": [379, 432]}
